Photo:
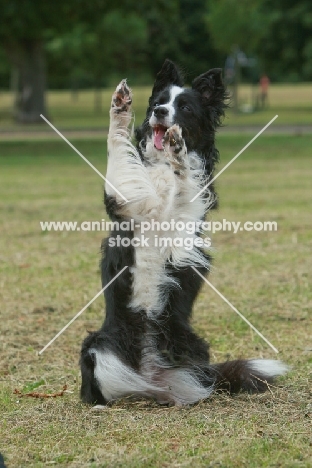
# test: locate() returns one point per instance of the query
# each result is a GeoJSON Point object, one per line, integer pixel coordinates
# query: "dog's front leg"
{"type": "Point", "coordinates": [128, 187]}
{"type": "Point", "coordinates": [188, 170]}
{"type": "Point", "coordinates": [176, 151]}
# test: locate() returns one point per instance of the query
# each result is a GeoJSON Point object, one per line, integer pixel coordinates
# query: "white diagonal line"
{"type": "Point", "coordinates": [232, 160]}
{"type": "Point", "coordinates": [83, 157]}
{"type": "Point", "coordinates": [235, 310]}
{"type": "Point", "coordinates": [82, 310]}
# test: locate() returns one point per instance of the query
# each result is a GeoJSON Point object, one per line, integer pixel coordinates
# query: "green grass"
{"type": "Point", "coordinates": [290, 102]}
{"type": "Point", "coordinates": [47, 277]}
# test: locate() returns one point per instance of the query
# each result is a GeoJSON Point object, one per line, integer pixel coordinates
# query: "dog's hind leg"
{"type": "Point", "coordinates": [89, 391]}
{"type": "Point", "coordinates": [105, 378]}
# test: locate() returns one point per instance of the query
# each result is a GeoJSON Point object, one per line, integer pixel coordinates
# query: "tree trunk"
{"type": "Point", "coordinates": [28, 57]}
{"type": "Point", "coordinates": [236, 82]}
{"type": "Point", "coordinates": [14, 87]}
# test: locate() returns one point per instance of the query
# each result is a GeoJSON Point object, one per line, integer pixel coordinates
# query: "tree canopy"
{"type": "Point", "coordinates": [78, 43]}
{"type": "Point", "coordinates": [277, 32]}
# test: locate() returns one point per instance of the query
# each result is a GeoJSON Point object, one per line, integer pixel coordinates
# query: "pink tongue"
{"type": "Point", "coordinates": [159, 133]}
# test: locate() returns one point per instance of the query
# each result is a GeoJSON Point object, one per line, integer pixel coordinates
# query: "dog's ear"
{"type": "Point", "coordinates": [168, 75]}
{"type": "Point", "coordinates": [214, 95]}
{"type": "Point", "coordinates": [209, 83]}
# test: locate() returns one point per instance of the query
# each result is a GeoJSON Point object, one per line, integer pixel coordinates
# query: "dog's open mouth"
{"type": "Point", "coordinates": [159, 133]}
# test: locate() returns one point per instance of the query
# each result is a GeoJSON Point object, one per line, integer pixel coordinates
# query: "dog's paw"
{"type": "Point", "coordinates": [175, 148]}
{"type": "Point", "coordinates": [122, 98]}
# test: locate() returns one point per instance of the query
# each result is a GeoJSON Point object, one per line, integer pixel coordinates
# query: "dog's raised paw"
{"type": "Point", "coordinates": [173, 141]}
{"type": "Point", "coordinates": [122, 97]}
{"type": "Point", "coordinates": [174, 146]}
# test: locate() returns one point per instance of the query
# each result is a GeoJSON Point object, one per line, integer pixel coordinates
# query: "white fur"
{"type": "Point", "coordinates": [117, 380]}
{"type": "Point", "coordinates": [169, 119]}
{"type": "Point", "coordinates": [183, 388]}
{"type": "Point", "coordinates": [149, 280]}
{"type": "Point", "coordinates": [150, 283]}
{"type": "Point", "coordinates": [154, 192]}
{"type": "Point", "coordinates": [268, 367]}
{"type": "Point", "coordinates": [123, 168]}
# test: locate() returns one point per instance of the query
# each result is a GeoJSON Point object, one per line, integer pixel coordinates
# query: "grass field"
{"type": "Point", "coordinates": [46, 278]}
{"type": "Point", "coordinates": [290, 102]}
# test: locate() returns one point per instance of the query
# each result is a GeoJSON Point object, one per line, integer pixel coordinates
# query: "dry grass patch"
{"type": "Point", "coordinates": [47, 277]}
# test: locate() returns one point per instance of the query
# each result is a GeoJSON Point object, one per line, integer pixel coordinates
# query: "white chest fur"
{"type": "Point", "coordinates": [150, 281]}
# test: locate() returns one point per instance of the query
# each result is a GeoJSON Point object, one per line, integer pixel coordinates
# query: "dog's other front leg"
{"type": "Point", "coordinates": [188, 170]}
{"type": "Point", "coordinates": [176, 151]}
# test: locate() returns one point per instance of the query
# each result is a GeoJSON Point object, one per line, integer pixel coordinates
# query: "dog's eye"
{"type": "Point", "coordinates": [185, 108]}
{"type": "Point", "coordinates": [156, 104]}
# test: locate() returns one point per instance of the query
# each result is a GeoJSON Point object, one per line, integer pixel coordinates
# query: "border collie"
{"type": "Point", "coordinates": [146, 346]}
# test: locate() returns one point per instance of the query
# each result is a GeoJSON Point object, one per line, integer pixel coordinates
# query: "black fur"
{"type": "Point", "coordinates": [199, 113]}
{"type": "Point", "coordinates": [207, 101]}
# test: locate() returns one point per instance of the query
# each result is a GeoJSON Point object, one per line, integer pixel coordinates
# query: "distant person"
{"type": "Point", "coordinates": [264, 87]}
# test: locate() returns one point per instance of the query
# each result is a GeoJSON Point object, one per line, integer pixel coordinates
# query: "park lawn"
{"type": "Point", "coordinates": [47, 277]}
{"type": "Point", "coordinates": [291, 103]}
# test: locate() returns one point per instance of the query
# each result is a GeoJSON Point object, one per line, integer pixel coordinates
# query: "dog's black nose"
{"type": "Point", "coordinates": [161, 111]}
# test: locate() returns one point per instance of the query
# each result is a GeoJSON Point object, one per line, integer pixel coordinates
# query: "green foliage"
{"type": "Point", "coordinates": [93, 50]}
{"type": "Point", "coordinates": [164, 30]}
{"type": "Point", "coordinates": [33, 19]}
{"type": "Point", "coordinates": [118, 40]}
{"type": "Point", "coordinates": [233, 23]}
{"type": "Point", "coordinates": [278, 32]}
{"type": "Point", "coordinates": [196, 48]}
{"type": "Point", "coordinates": [87, 43]}
{"type": "Point", "coordinates": [288, 38]}
{"type": "Point", "coordinates": [29, 387]}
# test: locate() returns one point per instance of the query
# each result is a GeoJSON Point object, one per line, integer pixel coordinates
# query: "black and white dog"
{"type": "Point", "coordinates": [146, 346]}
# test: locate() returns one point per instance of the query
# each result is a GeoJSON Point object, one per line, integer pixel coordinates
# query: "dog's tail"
{"type": "Point", "coordinates": [252, 375]}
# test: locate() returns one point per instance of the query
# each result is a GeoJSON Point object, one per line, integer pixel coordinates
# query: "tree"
{"type": "Point", "coordinates": [23, 28]}
{"type": "Point", "coordinates": [278, 32]}
{"type": "Point", "coordinates": [236, 23]}
{"type": "Point", "coordinates": [100, 47]}
{"type": "Point", "coordinates": [163, 32]}
{"type": "Point", "coordinates": [112, 50]}
{"type": "Point", "coordinates": [237, 28]}
{"type": "Point", "coordinates": [195, 42]}
{"type": "Point", "coordinates": [110, 36]}
{"type": "Point", "coordinates": [288, 37]}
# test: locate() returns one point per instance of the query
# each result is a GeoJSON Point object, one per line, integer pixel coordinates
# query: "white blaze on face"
{"type": "Point", "coordinates": [160, 130]}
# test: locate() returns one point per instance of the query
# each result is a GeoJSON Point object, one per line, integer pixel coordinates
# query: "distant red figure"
{"type": "Point", "coordinates": [264, 87]}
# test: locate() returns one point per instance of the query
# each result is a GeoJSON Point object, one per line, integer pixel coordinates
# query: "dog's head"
{"type": "Point", "coordinates": [197, 110]}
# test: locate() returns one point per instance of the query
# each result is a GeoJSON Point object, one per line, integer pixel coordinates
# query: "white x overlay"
{"type": "Point", "coordinates": [194, 198]}
{"type": "Point", "coordinates": [235, 310]}
{"type": "Point", "coordinates": [83, 157]}
{"type": "Point", "coordinates": [232, 160]}
{"type": "Point", "coordinates": [83, 309]}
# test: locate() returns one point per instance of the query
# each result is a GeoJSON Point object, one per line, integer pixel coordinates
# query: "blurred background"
{"type": "Point", "coordinates": [59, 58]}
{"type": "Point", "coordinates": [62, 59]}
